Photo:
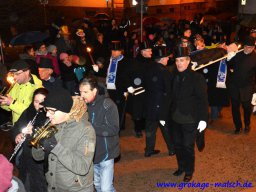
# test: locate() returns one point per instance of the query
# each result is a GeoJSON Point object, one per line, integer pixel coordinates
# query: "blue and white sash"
{"type": "Point", "coordinates": [222, 75]}
{"type": "Point", "coordinates": [112, 69]}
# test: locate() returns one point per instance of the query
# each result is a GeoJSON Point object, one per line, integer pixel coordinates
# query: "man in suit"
{"type": "Point", "coordinates": [241, 83]}
{"type": "Point", "coordinates": [189, 112]}
{"type": "Point", "coordinates": [157, 98]}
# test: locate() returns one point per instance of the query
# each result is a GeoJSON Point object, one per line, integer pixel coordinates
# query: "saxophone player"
{"type": "Point", "coordinates": [70, 151]}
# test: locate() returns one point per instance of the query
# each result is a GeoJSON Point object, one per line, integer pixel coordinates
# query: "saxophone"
{"type": "Point", "coordinates": [45, 132]}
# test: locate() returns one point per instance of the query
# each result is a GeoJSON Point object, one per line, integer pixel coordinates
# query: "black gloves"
{"type": "Point", "coordinates": [48, 144]}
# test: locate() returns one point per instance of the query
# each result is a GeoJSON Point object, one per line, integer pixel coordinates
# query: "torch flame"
{"type": "Point", "coordinates": [88, 49]}
{"type": "Point", "coordinates": [239, 46]}
{"type": "Point", "coordinates": [10, 79]}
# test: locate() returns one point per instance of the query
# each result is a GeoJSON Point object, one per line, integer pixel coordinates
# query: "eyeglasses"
{"type": "Point", "coordinates": [51, 111]}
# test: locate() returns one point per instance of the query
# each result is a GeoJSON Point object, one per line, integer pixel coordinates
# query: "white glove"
{"type": "Point", "coordinates": [253, 99]}
{"type": "Point", "coordinates": [201, 126]}
{"type": "Point", "coordinates": [162, 122]}
{"type": "Point", "coordinates": [230, 55]}
{"type": "Point", "coordinates": [130, 89]}
{"type": "Point", "coordinates": [126, 94]}
{"type": "Point", "coordinates": [254, 109]}
{"type": "Point", "coordinates": [95, 68]}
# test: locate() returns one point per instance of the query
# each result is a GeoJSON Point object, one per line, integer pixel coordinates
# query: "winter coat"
{"type": "Point", "coordinates": [189, 103]}
{"type": "Point", "coordinates": [70, 161]}
{"type": "Point", "coordinates": [158, 91]}
{"type": "Point", "coordinates": [22, 97]}
{"type": "Point", "coordinates": [104, 117]}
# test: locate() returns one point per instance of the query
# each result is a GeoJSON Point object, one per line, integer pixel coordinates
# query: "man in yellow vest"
{"type": "Point", "coordinates": [21, 93]}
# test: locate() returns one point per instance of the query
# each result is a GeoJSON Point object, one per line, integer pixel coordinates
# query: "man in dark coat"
{"type": "Point", "coordinates": [118, 79]}
{"type": "Point", "coordinates": [139, 65]}
{"type": "Point", "coordinates": [45, 69]}
{"type": "Point", "coordinates": [189, 112]}
{"type": "Point", "coordinates": [104, 118]}
{"type": "Point", "coordinates": [241, 84]}
{"type": "Point", "coordinates": [158, 91]}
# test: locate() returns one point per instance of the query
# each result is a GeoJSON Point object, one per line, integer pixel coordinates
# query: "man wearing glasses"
{"type": "Point", "coordinates": [70, 151]}
{"type": "Point", "coordinates": [20, 95]}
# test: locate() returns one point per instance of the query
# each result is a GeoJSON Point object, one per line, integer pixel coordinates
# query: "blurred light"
{"type": "Point", "coordinates": [134, 2]}
{"type": "Point", "coordinates": [10, 78]}
{"type": "Point", "coordinates": [88, 49]}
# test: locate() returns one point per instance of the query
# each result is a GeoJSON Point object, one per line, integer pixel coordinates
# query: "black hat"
{"type": "Point", "coordinates": [45, 63]}
{"type": "Point", "coordinates": [249, 41]}
{"type": "Point", "coordinates": [59, 99]}
{"type": "Point", "coordinates": [181, 52]}
{"type": "Point", "coordinates": [145, 45]}
{"type": "Point", "coordinates": [116, 45]}
{"type": "Point", "coordinates": [19, 65]}
{"type": "Point", "coordinates": [159, 52]}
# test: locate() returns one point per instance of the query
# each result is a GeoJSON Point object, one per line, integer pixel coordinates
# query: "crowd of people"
{"type": "Point", "coordinates": [78, 86]}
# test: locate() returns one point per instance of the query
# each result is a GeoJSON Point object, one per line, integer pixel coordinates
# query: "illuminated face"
{"type": "Point", "coordinates": [87, 94]}
{"type": "Point", "coordinates": [39, 98]}
{"type": "Point", "coordinates": [164, 60]}
{"type": "Point", "coordinates": [248, 49]}
{"type": "Point", "coordinates": [187, 33]}
{"type": "Point", "coordinates": [21, 77]}
{"type": "Point", "coordinates": [116, 53]}
{"type": "Point", "coordinates": [182, 63]}
{"type": "Point", "coordinates": [31, 52]}
{"type": "Point", "coordinates": [55, 115]}
{"type": "Point", "coordinates": [147, 53]}
{"type": "Point", "coordinates": [45, 73]}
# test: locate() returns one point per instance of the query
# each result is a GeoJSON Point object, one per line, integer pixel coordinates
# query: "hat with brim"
{"type": "Point", "coordinates": [160, 52]}
{"type": "Point", "coordinates": [249, 41]}
{"type": "Point", "coordinates": [145, 45]}
{"type": "Point", "coordinates": [59, 99]}
{"type": "Point", "coordinates": [19, 65]}
{"type": "Point", "coordinates": [116, 45]}
{"type": "Point", "coordinates": [45, 63]}
{"type": "Point", "coordinates": [181, 52]}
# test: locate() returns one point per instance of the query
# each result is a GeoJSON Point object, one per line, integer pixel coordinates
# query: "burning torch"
{"type": "Point", "coordinates": [94, 66]}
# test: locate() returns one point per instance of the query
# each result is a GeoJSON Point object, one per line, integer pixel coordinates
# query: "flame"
{"type": "Point", "coordinates": [10, 78]}
{"type": "Point", "coordinates": [88, 49]}
{"type": "Point", "coordinates": [239, 46]}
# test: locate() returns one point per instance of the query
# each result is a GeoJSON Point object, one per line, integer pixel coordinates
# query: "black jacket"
{"type": "Point", "coordinates": [158, 92]}
{"type": "Point", "coordinates": [104, 118]}
{"type": "Point", "coordinates": [189, 98]}
{"type": "Point", "coordinates": [52, 83]}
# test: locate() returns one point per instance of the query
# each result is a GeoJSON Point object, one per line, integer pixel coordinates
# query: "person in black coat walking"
{"type": "Point", "coordinates": [139, 66]}
{"type": "Point", "coordinates": [117, 79]}
{"type": "Point", "coordinates": [241, 84]}
{"type": "Point", "coordinates": [189, 112]}
{"type": "Point", "coordinates": [158, 91]}
{"type": "Point", "coordinates": [31, 172]}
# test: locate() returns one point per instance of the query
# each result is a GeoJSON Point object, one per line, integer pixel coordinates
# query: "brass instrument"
{"type": "Point", "coordinates": [45, 132]}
